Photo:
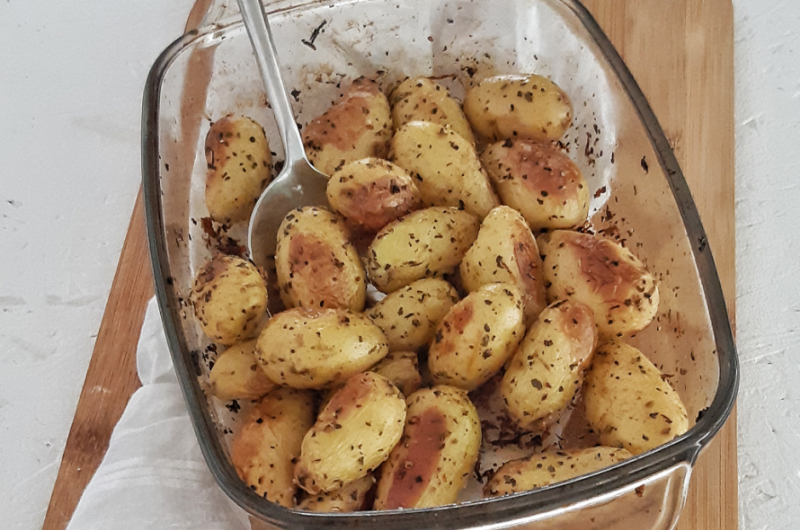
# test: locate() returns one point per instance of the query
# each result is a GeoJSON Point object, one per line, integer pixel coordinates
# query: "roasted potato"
{"type": "Point", "coordinates": [409, 316]}
{"type": "Point", "coordinates": [506, 251]}
{"type": "Point", "coordinates": [425, 243]}
{"type": "Point", "coordinates": [370, 193]}
{"type": "Point", "coordinates": [551, 467]}
{"type": "Point", "coordinates": [423, 99]}
{"type": "Point", "coordinates": [230, 299]}
{"type": "Point", "coordinates": [628, 401]}
{"type": "Point", "coordinates": [540, 182]}
{"type": "Point", "coordinates": [603, 275]}
{"type": "Point", "coordinates": [439, 448]}
{"type": "Point", "coordinates": [357, 126]}
{"type": "Point", "coordinates": [315, 348]}
{"type": "Point", "coordinates": [518, 106]}
{"type": "Point", "coordinates": [546, 372]}
{"type": "Point", "coordinates": [239, 168]}
{"type": "Point", "coordinates": [401, 368]}
{"type": "Point", "coordinates": [316, 264]}
{"type": "Point", "coordinates": [264, 452]}
{"type": "Point", "coordinates": [353, 434]}
{"type": "Point", "coordinates": [352, 497]}
{"type": "Point", "coordinates": [446, 167]}
{"type": "Point", "coordinates": [477, 336]}
{"type": "Point", "coordinates": [236, 374]}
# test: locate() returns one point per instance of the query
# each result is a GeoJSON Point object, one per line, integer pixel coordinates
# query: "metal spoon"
{"type": "Point", "coordinates": [298, 183]}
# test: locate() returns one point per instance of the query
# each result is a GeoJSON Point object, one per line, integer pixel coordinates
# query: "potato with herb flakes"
{"type": "Point", "coordinates": [236, 374]}
{"type": "Point", "coordinates": [409, 316]}
{"type": "Point", "coordinates": [540, 182]}
{"type": "Point", "coordinates": [318, 348]}
{"type": "Point", "coordinates": [477, 337]}
{"type": "Point", "coordinates": [353, 434]}
{"type": "Point", "coordinates": [239, 168]}
{"type": "Point", "coordinates": [316, 264]}
{"type": "Point", "coordinates": [445, 165]}
{"type": "Point", "coordinates": [628, 401]}
{"type": "Point", "coordinates": [543, 469]}
{"type": "Point", "coordinates": [357, 126]}
{"type": "Point", "coordinates": [352, 497]}
{"type": "Point", "coordinates": [230, 299]}
{"type": "Point", "coordinates": [546, 373]}
{"type": "Point", "coordinates": [518, 106]}
{"type": "Point", "coordinates": [423, 99]}
{"type": "Point", "coordinates": [370, 193]}
{"type": "Point", "coordinates": [439, 449]}
{"type": "Point", "coordinates": [506, 251]}
{"type": "Point", "coordinates": [265, 450]}
{"type": "Point", "coordinates": [602, 274]}
{"type": "Point", "coordinates": [423, 244]}
{"type": "Point", "coordinates": [401, 368]}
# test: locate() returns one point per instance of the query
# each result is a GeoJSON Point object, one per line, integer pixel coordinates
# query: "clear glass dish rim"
{"type": "Point", "coordinates": [477, 513]}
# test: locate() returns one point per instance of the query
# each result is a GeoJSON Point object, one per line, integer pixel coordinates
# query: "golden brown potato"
{"type": "Point", "coordinates": [439, 448]}
{"type": "Point", "coordinates": [603, 275]}
{"type": "Point", "coordinates": [540, 182]}
{"type": "Point", "coordinates": [409, 316]}
{"type": "Point", "coordinates": [315, 348]}
{"type": "Point", "coordinates": [506, 251]}
{"type": "Point", "coordinates": [230, 299]}
{"type": "Point", "coordinates": [316, 264]}
{"type": "Point", "coordinates": [353, 434]}
{"type": "Point", "coordinates": [628, 401]}
{"type": "Point", "coordinates": [546, 372]}
{"type": "Point", "coordinates": [264, 452]}
{"type": "Point", "coordinates": [236, 374]}
{"type": "Point", "coordinates": [477, 336]}
{"type": "Point", "coordinates": [551, 467]}
{"type": "Point", "coordinates": [357, 126]}
{"type": "Point", "coordinates": [351, 497]}
{"type": "Point", "coordinates": [370, 193]}
{"type": "Point", "coordinates": [518, 106]}
{"type": "Point", "coordinates": [425, 243]}
{"type": "Point", "coordinates": [239, 168]}
{"type": "Point", "coordinates": [401, 368]}
{"type": "Point", "coordinates": [423, 99]}
{"type": "Point", "coordinates": [446, 167]}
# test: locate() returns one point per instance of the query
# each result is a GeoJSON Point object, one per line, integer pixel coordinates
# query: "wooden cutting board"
{"type": "Point", "coordinates": [681, 54]}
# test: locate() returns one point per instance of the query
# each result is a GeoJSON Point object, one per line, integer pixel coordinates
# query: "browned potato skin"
{"type": "Point", "coordinates": [236, 374]}
{"type": "Point", "coordinates": [230, 299]}
{"type": "Point", "coordinates": [506, 251]}
{"type": "Point", "coordinates": [351, 497]}
{"type": "Point", "coordinates": [370, 193]}
{"type": "Point", "coordinates": [358, 126]}
{"type": "Point", "coordinates": [353, 434]}
{"type": "Point", "coordinates": [239, 165]}
{"type": "Point", "coordinates": [540, 182]}
{"type": "Point", "coordinates": [518, 106]}
{"type": "Point", "coordinates": [439, 448]}
{"type": "Point", "coordinates": [318, 348]}
{"type": "Point", "coordinates": [264, 452]}
{"type": "Point", "coordinates": [401, 368]}
{"type": "Point", "coordinates": [551, 467]}
{"type": "Point", "coordinates": [629, 403]}
{"type": "Point", "coordinates": [427, 243]}
{"type": "Point", "coordinates": [409, 316]}
{"type": "Point", "coordinates": [423, 99]}
{"type": "Point", "coordinates": [316, 264]}
{"type": "Point", "coordinates": [478, 335]}
{"type": "Point", "coordinates": [546, 373]}
{"type": "Point", "coordinates": [603, 275]}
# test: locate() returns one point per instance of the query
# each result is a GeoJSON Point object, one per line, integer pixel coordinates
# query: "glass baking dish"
{"type": "Point", "coordinates": [639, 198]}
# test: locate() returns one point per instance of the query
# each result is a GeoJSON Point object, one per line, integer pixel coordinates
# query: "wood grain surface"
{"type": "Point", "coordinates": [681, 54]}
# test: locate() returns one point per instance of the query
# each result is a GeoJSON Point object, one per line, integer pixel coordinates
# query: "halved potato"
{"type": "Point", "coordinates": [423, 99]}
{"type": "Point", "coordinates": [236, 374]}
{"type": "Point", "coordinates": [351, 497]}
{"type": "Point", "coordinates": [401, 368]}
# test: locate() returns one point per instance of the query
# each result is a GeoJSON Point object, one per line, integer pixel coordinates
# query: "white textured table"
{"type": "Point", "coordinates": [70, 92]}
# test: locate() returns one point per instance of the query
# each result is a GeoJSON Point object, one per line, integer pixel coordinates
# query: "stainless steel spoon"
{"type": "Point", "coordinates": [298, 183]}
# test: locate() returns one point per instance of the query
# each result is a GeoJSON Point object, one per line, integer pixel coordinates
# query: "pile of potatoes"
{"type": "Point", "coordinates": [469, 213]}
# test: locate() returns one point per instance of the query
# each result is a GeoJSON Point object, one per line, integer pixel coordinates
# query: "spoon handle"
{"type": "Point", "coordinates": [255, 20]}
